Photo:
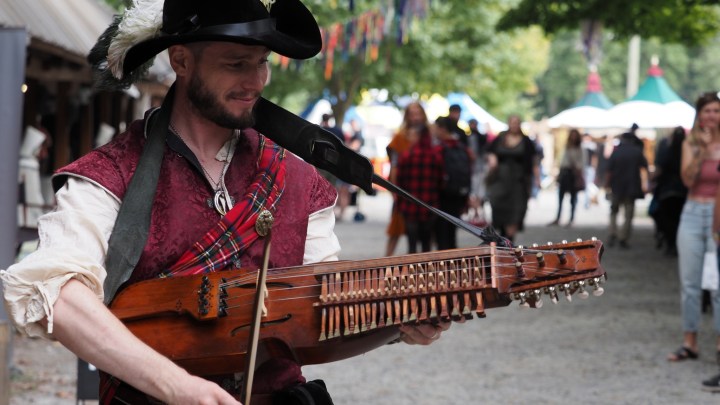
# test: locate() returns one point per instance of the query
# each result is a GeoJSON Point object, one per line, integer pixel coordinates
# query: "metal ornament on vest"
{"type": "Point", "coordinates": [264, 223]}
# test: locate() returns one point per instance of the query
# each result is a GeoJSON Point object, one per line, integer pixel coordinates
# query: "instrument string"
{"type": "Point", "coordinates": [484, 261]}
{"type": "Point", "coordinates": [381, 278]}
{"type": "Point", "coordinates": [486, 256]}
{"type": "Point", "coordinates": [380, 293]}
{"type": "Point", "coordinates": [365, 299]}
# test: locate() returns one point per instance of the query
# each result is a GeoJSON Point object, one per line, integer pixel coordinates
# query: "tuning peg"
{"type": "Point", "coordinates": [561, 256]}
{"type": "Point", "coordinates": [564, 242]}
{"type": "Point", "coordinates": [597, 290]}
{"type": "Point", "coordinates": [578, 240]}
{"type": "Point", "coordinates": [537, 296]}
{"type": "Point", "coordinates": [519, 254]}
{"type": "Point", "coordinates": [535, 245]}
{"type": "Point", "coordinates": [580, 285]}
{"type": "Point", "coordinates": [566, 289]}
{"type": "Point", "coordinates": [552, 293]}
{"type": "Point", "coordinates": [594, 239]}
{"type": "Point", "coordinates": [520, 271]}
{"type": "Point", "coordinates": [540, 259]}
{"type": "Point", "coordinates": [521, 296]}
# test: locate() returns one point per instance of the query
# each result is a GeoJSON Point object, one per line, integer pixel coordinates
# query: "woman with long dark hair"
{"type": "Point", "coordinates": [512, 172]}
{"type": "Point", "coordinates": [421, 173]}
{"type": "Point", "coordinates": [570, 179]}
{"type": "Point", "coordinates": [414, 120]}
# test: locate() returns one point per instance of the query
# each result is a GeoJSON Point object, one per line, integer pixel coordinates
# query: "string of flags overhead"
{"type": "Point", "coordinates": [364, 33]}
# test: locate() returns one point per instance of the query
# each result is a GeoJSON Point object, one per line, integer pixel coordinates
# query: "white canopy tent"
{"type": "Point", "coordinates": [582, 117]}
{"type": "Point", "coordinates": [437, 106]}
{"type": "Point", "coordinates": [649, 114]}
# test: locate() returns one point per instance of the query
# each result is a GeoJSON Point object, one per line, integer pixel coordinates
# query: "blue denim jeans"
{"type": "Point", "coordinates": [694, 238]}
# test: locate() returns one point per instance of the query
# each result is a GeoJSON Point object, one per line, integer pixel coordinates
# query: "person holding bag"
{"type": "Point", "coordinates": [699, 172]}
{"type": "Point", "coordinates": [713, 383]}
{"type": "Point", "coordinates": [570, 179]}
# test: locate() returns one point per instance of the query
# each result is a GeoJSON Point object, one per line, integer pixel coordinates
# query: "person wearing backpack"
{"type": "Point", "coordinates": [455, 189]}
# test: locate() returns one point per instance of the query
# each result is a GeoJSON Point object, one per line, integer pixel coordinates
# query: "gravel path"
{"type": "Point", "coordinates": [604, 350]}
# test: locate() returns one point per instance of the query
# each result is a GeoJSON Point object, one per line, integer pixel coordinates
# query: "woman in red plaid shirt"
{"type": "Point", "coordinates": [420, 172]}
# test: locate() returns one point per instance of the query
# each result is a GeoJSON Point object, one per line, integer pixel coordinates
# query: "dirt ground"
{"type": "Point", "coordinates": [604, 350]}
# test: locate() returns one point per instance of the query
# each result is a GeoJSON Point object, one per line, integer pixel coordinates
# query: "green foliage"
{"type": "Point", "coordinates": [454, 49]}
{"type": "Point", "coordinates": [119, 4]}
{"type": "Point", "coordinates": [690, 22]}
{"type": "Point", "coordinates": [688, 70]}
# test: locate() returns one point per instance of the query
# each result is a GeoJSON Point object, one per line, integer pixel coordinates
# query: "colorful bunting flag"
{"type": "Point", "coordinates": [364, 33]}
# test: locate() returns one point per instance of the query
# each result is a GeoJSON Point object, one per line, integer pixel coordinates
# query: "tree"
{"type": "Point", "coordinates": [454, 49]}
{"type": "Point", "coordinates": [689, 22]}
{"type": "Point", "coordinates": [119, 4]}
{"type": "Point", "coordinates": [688, 70]}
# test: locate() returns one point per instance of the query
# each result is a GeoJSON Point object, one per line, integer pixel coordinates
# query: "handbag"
{"type": "Point", "coordinates": [477, 217]}
{"type": "Point", "coordinates": [710, 275]}
{"type": "Point", "coordinates": [578, 180]}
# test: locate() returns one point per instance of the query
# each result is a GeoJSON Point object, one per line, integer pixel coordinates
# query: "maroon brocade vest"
{"type": "Point", "coordinates": [181, 214]}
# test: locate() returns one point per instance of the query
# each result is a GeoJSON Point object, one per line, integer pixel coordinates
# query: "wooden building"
{"type": "Point", "coordinates": [58, 87]}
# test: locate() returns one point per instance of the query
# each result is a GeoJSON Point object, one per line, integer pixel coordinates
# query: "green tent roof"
{"type": "Point", "coordinates": [655, 89]}
{"type": "Point", "coordinates": [594, 96]}
{"type": "Point", "coordinates": [593, 99]}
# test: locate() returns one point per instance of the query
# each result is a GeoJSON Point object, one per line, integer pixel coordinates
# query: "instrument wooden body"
{"type": "Point", "coordinates": [336, 310]}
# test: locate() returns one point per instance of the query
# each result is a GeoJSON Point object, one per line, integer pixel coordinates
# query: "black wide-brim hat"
{"type": "Point", "coordinates": [285, 26]}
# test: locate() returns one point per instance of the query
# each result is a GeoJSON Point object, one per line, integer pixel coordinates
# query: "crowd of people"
{"type": "Point", "coordinates": [458, 172]}
{"type": "Point", "coordinates": [347, 193]}
{"type": "Point", "coordinates": [683, 183]}
{"type": "Point", "coordinates": [432, 162]}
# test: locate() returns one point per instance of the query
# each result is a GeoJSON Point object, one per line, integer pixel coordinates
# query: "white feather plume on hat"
{"type": "Point", "coordinates": [140, 22]}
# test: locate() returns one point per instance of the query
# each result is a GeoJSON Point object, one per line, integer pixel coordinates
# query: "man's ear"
{"type": "Point", "coordinates": [181, 59]}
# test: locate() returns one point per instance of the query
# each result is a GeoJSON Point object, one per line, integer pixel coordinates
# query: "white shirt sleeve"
{"type": "Point", "coordinates": [321, 244]}
{"type": "Point", "coordinates": [73, 244]}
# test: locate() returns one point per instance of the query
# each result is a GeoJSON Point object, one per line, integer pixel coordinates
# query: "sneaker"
{"type": "Point", "coordinates": [712, 384]}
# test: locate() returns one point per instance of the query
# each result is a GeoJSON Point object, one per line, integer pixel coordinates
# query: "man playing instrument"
{"type": "Point", "coordinates": [215, 171]}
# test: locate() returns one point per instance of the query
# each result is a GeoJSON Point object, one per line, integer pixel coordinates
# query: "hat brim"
{"type": "Point", "coordinates": [291, 32]}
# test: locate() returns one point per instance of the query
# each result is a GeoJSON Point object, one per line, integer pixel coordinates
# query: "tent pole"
{"type": "Point", "coordinates": [633, 72]}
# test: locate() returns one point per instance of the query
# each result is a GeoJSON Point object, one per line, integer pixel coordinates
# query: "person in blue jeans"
{"type": "Point", "coordinates": [699, 172]}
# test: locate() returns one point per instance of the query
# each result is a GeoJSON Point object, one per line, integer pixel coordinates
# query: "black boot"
{"type": "Point", "coordinates": [712, 384]}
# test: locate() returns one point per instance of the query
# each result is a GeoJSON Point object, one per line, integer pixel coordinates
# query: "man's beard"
{"type": "Point", "coordinates": [210, 107]}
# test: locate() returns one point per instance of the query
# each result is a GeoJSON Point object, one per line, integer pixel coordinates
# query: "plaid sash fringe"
{"type": "Point", "coordinates": [235, 232]}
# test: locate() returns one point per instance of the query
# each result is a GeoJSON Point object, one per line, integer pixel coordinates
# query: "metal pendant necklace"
{"type": "Point", "coordinates": [221, 201]}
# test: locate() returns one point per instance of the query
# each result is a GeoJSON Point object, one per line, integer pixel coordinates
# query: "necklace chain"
{"type": "Point", "coordinates": [216, 184]}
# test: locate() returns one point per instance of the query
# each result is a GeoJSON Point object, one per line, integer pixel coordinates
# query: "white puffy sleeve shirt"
{"type": "Point", "coordinates": [74, 242]}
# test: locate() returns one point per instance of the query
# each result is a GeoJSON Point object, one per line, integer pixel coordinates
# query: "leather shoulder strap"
{"type": "Point", "coordinates": [130, 232]}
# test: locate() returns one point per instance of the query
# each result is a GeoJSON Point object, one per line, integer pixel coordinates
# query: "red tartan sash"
{"type": "Point", "coordinates": [236, 230]}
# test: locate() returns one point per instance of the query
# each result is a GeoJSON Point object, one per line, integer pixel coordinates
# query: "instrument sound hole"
{"type": "Point", "coordinates": [269, 285]}
{"type": "Point", "coordinates": [262, 324]}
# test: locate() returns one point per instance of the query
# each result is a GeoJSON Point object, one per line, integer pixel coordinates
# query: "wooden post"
{"type": "Point", "coordinates": [62, 126]}
{"type": "Point", "coordinates": [86, 130]}
{"type": "Point", "coordinates": [13, 43]}
{"type": "Point", "coordinates": [4, 363]}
